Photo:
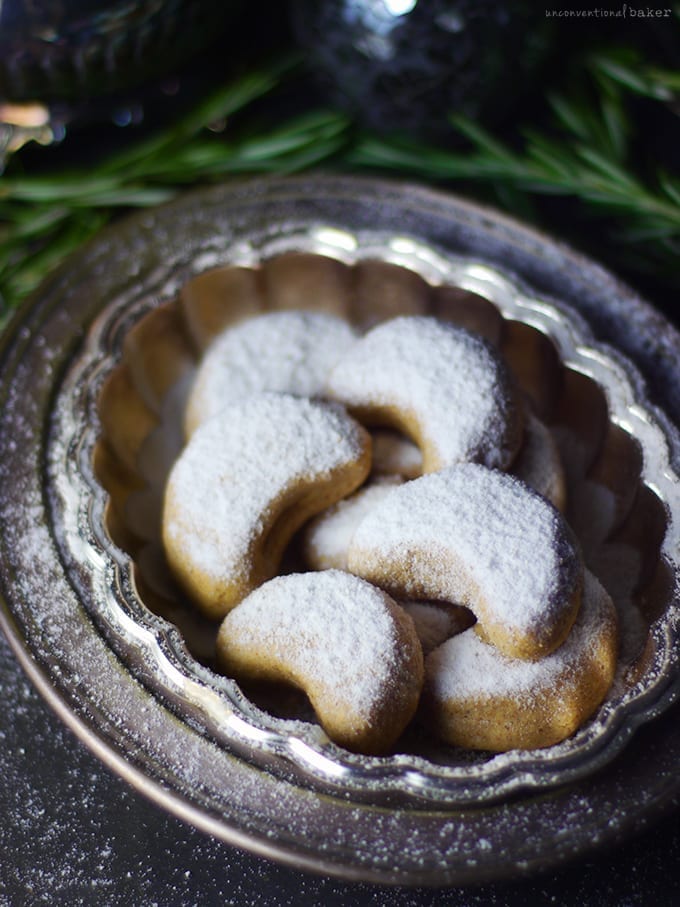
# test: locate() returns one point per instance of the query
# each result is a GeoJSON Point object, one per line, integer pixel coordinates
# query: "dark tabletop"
{"type": "Point", "coordinates": [72, 833]}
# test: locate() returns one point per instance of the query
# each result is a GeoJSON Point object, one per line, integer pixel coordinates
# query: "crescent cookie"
{"type": "Point", "coordinates": [290, 352]}
{"type": "Point", "coordinates": [343, 641]}
{"type": "Point", "coordinates": [445, 388]}
{"type": "Point", "coordinates": [245, 482]}
{"type": "Point", "coordinates": [539, 463]}
{"type": "Point", "coordinates": [476, 697]}
{"type": "Point", "coordinates": [479, 538]}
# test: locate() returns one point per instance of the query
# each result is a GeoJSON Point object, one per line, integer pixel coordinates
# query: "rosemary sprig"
{"type": "Point", "coordinates": [543, 167]}
{"type": "Point", "coordinates": [627, 68]}
{"type": "Point", "coordinates": [584, 154]}
{"type": "Point", "coordinates": [42, 218]}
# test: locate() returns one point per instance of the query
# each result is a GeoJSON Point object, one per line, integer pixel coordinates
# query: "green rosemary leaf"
{"type": "Point", "coordinates": [312, 121]}
{"type": "Point", "coordinates": [314, 136]}
{"type": "Point", "coordinates": [231, 98]}
{"type": "Point", "coordinates": [91, 193]}
{"type": "Point", "coordinates": [58, 188]}
{"type": "Point", "coordinates": [665, 78]}
{"type": "Point", "coordinates": [28, 224]}
{"type": "Point", "coordinates": [654, 84]}
{"type": "Point", "coordinates": [616, 126]}
{"type": "Point", "coordinates": [569, 116]}
{"type": "Point", "coordinates": [549, 155]}
{"type": "Point", "coordinates": [224, 102]}
{"type": "Point", "coordinates": [302, 133]}
{"type": "Point", "coordinates": [311, 156]}
{"type": "Point", "coordinates": [32, 219]}
{"type": "Point", "coordinates": [481, 138]}
{"type": "Point", "coordinates": [187, 164]}
{"type": "Point", "coordinates": [371, 151]}
{"type": "Point", "coordinates": [544, 184]}
{"type": "Point", "coordinates": [670, 187]}
{"type": "Point", "coordinates": [125, 197]}
{"type": "Point", "coordinates": [620, 180]}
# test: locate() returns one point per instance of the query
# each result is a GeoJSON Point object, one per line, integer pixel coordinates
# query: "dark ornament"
{"type": "Point", "coordinates": [407, 64]}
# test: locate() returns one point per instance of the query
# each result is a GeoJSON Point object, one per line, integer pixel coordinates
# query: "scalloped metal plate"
{"type": "Point", "coordinates": [46, 582]}
{"type": "Point", "coordinates": [215, 704]}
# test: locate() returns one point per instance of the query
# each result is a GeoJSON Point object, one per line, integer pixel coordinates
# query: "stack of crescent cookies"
{"type": "Point", "coordinates": [442, 584]}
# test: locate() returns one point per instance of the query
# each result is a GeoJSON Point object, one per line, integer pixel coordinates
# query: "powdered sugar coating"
{"type": "Point", "coordinates": [327, 538]}
{"type": "Point", "coordinates": [342, 640]}
{"type": "Point", "coordinates": [479, 538]}
{"type": "Point", "coordinates": [241, 472]}
{"type": "Point", "coordinates": [443, 386]}
{"type": "Point", "coordinates": [468, 680]}
{"type": "Point", "coordinates": [288, 352]}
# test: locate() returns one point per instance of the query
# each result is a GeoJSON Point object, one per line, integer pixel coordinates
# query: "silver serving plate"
{"type": "Point", "coordinates": [132, 683]}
